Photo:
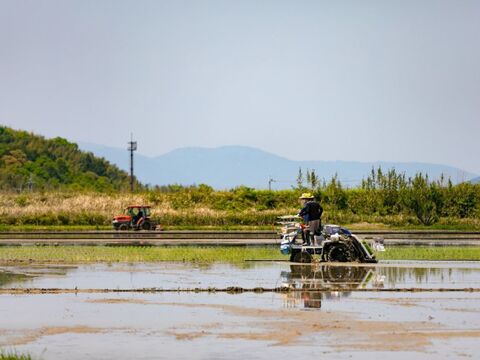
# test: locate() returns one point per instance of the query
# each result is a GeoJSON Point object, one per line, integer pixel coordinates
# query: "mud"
{"type": "Point", "coordinates": [118, 301]}
{"type": "Point", "coordinates": [266, 311]}
{"type": "Point", "coordinates": [294, 326]}
{"type": "Point", "coordinates": [197, 324]}
{"type": "Point", "coordinates": [28, 336]}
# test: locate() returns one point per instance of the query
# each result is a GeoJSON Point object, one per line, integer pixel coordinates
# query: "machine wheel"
{"type": "Point", "coordinates": [339, 252]}
{"type": "Point", "coordinates": [302, 257]}
{"type": "Point", "coordinates": [123, 227]}
{"type": "Point", "coordinates": [146, 225]}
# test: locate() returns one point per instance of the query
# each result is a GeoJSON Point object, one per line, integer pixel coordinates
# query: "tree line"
{"type": "Point", "coordinates": [381, 193]}
{"type": "Point", "coordinates": [386, 193]}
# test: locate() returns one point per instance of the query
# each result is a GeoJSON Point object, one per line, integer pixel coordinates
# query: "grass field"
{"type": "Point", "coordinates": [237, 255]}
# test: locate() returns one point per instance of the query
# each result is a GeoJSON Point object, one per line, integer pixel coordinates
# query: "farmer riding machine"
{"type": "Point", "coordinates": [134, 217]}
{"type": "Point", "coordinates": [332, 243]}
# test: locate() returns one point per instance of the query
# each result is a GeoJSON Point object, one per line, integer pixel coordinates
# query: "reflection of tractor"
{"type": "Point", "coordinates": [316, 282]}
{"type": "Point", "coordinates": [324, 276]}
{"type": "Point", "coordinates": [333, 243]}
{"type": "Point", "coordinates": [134, 217]}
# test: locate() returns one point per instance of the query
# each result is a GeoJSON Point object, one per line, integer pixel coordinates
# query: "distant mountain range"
{"type": "Point", "coordinates": [231, 166]}
{"type": "Point", "coordinates": [475, 180]}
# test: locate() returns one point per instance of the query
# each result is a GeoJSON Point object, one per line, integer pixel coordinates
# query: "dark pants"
{"type": "Point", "coordinates": [310, 231]}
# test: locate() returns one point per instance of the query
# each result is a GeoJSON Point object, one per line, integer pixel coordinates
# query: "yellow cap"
{"type": "Point", "coordinates": [306, 196]}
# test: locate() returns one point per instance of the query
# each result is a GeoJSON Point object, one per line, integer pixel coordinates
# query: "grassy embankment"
{"type": "Point", "coordinates": [236, 255]}
{"type": "Point", "coordinates": [197, 208]}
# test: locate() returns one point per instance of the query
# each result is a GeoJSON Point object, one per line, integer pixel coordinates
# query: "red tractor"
{"type": "Point", "coordinates": [135, 217]}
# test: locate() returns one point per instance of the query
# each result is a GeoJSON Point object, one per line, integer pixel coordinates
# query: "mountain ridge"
{"type": "Point", "coordinates": [234, 165]}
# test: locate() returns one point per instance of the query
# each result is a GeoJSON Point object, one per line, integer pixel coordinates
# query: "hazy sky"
{"type": "Point", "coordinates": [308, 80]}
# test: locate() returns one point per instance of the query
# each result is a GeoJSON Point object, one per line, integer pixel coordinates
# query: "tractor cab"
{"type": "Point", "coordinates": [134, 217]}
{"type": "Point", "coordinates": [137, 210]}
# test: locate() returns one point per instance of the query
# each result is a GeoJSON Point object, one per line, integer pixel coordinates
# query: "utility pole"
{"type": "Point", "coordinates": [270, 180]}
{"type": "Point", "coordinates": [132, 146]}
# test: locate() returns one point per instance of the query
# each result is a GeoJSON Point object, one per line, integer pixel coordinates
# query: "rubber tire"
{"type": "Point", "coordinates": [302, 257]}
{"type": "Point", "coordinates": [146, 225]}
{"type": "Point", "coordinates": [339, 252]}
{"type": "Point", "coordinates": [123, 227]}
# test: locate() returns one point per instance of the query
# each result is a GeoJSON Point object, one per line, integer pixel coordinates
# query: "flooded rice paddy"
{"type": "Point", "coordinates": [329, 311]}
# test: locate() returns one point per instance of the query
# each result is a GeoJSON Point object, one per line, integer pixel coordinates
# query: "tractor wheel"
{"type": "Point", "coordinates": [302, 257]}
{"type": "Point", "coordinates": [123, 227]}
{"type": "Point", "coordinates": [146, 225]}
{"type": "Point", "coordinates": [339, 252]}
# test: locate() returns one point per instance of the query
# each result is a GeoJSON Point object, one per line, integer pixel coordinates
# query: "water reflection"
{"type": "Point", "coordinates": [18, 276]}
{"type": "Point", "coordinates": [335, 281]}
{"type": "Point", "coordinates": [7, 277]}
{"type": "Point", "coordinates": [324, 277]}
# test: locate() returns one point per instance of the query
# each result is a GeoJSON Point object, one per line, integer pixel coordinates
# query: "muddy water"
{"type": "Point", "coordinates": [300, 324]}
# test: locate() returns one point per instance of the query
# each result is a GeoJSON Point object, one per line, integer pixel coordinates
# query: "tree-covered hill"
{"type": "Point", "coordinates": [32, 161]}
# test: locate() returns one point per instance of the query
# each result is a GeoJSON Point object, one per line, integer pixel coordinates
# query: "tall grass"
{"type": "Point", "coordinates": [70, 209]}
{"type": "Point", "coordinates": [192, 209]}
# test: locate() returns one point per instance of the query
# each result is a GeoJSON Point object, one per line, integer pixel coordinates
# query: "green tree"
{"type": "Point", "coordinates": [421, 199]}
